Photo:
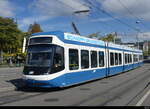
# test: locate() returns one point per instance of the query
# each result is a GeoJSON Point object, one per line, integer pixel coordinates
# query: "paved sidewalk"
{"type": "Point", "coordinates": [9, 78]}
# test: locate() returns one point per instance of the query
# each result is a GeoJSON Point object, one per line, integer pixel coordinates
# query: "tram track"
{"type": "Point", "coordinates": [125, 90]}
{"type": "Point", "coordinates": [15, 95]}
{"type": "Point", "coordinates": [106, 95]}
{"type": "Point", "coordinates": [12, 96]}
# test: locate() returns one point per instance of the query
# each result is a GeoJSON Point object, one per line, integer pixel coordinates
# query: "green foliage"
{"type": "Point", "coordinates": [11, 38]}
{"type": "Point", "coordinates": [146, 53]}
{"type": "Point", "coordinates": [96, 35]}
{"type": "Point", "coordinates": [108, 38]}
{"type": "Point", "coordinates": [10, 35]}
{"type": "Point", "coordinates": [26, 34]}
{"type": "Point", "coordinates": [14, 55]}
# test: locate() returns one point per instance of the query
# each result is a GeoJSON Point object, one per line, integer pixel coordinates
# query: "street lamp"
{"type": "Point", "coordinates": [146, 42]}
{"type": "Point", "coordinates": [81, 11]}
{"type": "Point", "coordinates": [137, 38]}
{"type": "Point", "coordinates": [137, 22]}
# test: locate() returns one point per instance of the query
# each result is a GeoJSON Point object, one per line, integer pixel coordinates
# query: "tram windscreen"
{"type": "Point", "coordinates": [39, 55]}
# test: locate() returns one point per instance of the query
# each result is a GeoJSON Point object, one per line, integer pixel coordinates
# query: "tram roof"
{"type": "Point", "coordinates": [81, 40]}
{"type": "Point", "coordinates": [73, 38]}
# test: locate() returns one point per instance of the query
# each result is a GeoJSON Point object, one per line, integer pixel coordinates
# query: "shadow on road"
{"type": "Point", "coordinates": [20, 86]}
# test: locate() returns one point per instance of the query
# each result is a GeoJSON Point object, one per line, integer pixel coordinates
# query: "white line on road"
{"type": "Point", "coordinates": [143, 98]}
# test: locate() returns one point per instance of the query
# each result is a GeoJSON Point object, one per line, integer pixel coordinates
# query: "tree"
{"type": "Point", "coordinates": [108, 38]}
{"type": "Point", "coordinates": [34, 28]}
{"type": "Point", "coordinates": [10, 36]}
{"type": "Point", "coordinates": [94, 35]}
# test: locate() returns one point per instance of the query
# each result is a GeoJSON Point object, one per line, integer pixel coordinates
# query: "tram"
{"type": "Point", "coordinates": [59, 59]}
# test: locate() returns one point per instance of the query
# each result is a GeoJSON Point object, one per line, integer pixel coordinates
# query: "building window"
{"type": "Point", "coordinates": [101, 59]}
{"type": "Point", "coordinates": [73, 59]}
{"type": "Point", "coordinates": [120, 59]}
{"type": "Point", "coordinates": [84, 59]}
{"type": "Point", "coordinates": [93, 59]}
{"type": "Point", "coordinates": [111, 59]}
{"type": "Point", "coordinates": [116, 59]}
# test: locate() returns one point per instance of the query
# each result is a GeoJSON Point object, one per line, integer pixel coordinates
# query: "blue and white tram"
{"type": "Point", "coordinates": [58, 59]}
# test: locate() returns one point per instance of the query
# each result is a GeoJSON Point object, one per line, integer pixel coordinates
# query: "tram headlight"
{"type": "Point", "coordinates": [31, 72]}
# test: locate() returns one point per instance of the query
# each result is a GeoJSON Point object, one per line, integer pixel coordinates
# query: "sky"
{"type": "Point", "coordinates": [128, 18]}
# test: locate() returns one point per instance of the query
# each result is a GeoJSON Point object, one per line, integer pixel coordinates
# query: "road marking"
{"type": "Point", "coordinates": [143, 98]}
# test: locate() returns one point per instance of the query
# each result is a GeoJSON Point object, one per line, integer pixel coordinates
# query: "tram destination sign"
{"type": "Point", "coordinates": [83, 39]}
{"type": "Point", "coordinates": [40, 40]}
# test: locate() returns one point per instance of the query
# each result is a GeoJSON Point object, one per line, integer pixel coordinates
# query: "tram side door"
{"type": "Point", "coordinates": [107, 60]}
{"type": "Point", "coordinates": [123, 60]}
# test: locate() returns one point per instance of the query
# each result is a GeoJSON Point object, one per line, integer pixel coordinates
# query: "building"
{"type": "Point", "coordinates": [132, 45]}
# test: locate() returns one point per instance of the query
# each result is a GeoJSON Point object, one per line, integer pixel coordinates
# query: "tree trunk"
{"type": "Point", "coordinates": [1, 56]}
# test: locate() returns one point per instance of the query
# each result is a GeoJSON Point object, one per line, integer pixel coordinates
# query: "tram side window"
{"type": "Point", "coordinates": [138, 58]}
{"type": "Point", "coordinates": [126, 58]}
{"type": "Point", "coordinates": [84, 59]}
{"type": "Point", "coordinates": [111, 59]}
{"type": "Point", "coordinates": [116, 59]}
{"type": "Point", "coordinates": [73, 59]}
{"type": "Point", "coordinates": [120, 59]}
{"type": "Point", "coordinates": [130, 58]}
{"type": "Point", "coordinates": [101, 59]}
{"type": "Point", "coordinates": [58, 60]}
{"type": "Point", "coordinates": [93, 59]}
{"type": "Point", "coordinates": [135, 58]}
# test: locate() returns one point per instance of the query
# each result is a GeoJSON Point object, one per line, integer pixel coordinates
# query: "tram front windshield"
{"type": "Point", "coordinates": [39, 55]}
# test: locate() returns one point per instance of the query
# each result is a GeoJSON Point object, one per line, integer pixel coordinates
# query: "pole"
{"type": "Point", "coordinates": [24, 45]}
{"type": "Point", "coordinates": [137, 22]}
{"type": "Point", "coordinates": [1, 56]}
{"type": "Point", "coordinates": [73, 24]}
{"type": "Point", "coordinates": [115, 37]}
{"type": "Point", "coordinates": [137, 41]}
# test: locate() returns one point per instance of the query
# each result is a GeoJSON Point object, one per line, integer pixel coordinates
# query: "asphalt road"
{"type": "Point", "coordinates": [9, 77]}
{"type": "Point", "coordinates": [131, 88]}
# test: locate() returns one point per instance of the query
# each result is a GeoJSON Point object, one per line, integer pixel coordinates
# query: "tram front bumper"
{"type": "Point", "coordinates": [37, 83]}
